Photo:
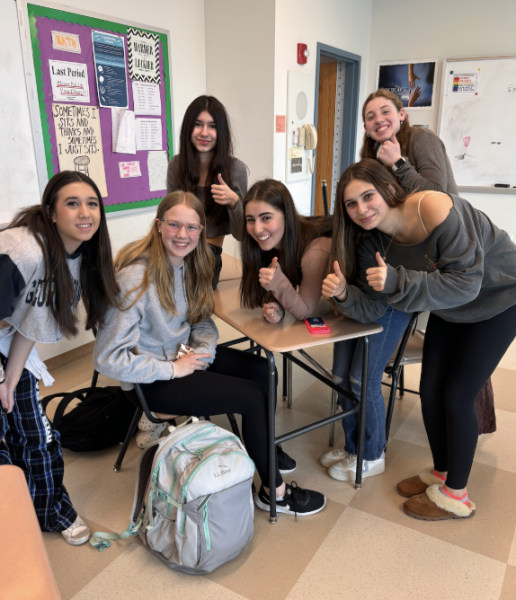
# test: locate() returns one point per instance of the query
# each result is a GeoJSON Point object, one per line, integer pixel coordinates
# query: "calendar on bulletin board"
{"type": "Point", "coordinates": [103, 103]}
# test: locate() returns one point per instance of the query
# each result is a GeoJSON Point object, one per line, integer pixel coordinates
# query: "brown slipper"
{"type": "Point", "coordinates": [418, 484]}
{"type": "Point", "coordinates": [432, 505]}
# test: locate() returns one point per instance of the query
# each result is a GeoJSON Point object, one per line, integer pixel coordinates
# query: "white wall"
{"type": "Point", "coordinates": [418, 29]}
{"type": "Point", "coordinates": [185, 20]}
{"type": "Point", "coordinates": [343, 24]}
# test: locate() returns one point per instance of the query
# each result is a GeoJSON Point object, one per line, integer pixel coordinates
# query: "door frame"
{"type": "Point", "coordinates": [352, 64]}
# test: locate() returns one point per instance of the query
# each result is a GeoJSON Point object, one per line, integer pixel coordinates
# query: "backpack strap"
{"type": "Point", "coordinates": [100, 539]}
{"type": "Point", "coordinates": [82, 394]}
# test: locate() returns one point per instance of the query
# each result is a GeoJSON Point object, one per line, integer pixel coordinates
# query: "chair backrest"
{"type": "Point", "coordinates": [396, 359]}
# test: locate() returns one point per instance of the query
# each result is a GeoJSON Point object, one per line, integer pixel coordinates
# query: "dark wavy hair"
{"type": "Point", "coordinates": [97, 279]}
{"type": "Point", "coordinates": [403, 136]}
{"type": "Point", "coordinates": [347, 235]}
{"type": "Point", "coordinates": [299, 233]}
{"type": "Point", "coordinates": [188, 173]}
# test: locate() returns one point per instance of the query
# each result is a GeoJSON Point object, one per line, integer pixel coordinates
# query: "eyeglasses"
{"type": "Point", "coordinates": [176, 226]}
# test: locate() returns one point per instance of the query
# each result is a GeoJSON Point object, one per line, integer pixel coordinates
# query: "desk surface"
{"type": "Point", "coordinates": [289, 334]}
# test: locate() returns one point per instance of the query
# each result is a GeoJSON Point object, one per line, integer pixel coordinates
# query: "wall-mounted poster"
{"type": "Point", "coordinates": [69, 81]}
{"type": "Point", "coordinates": [109, 58]}
{"type": "Point", "coordinates": [143, 55]}
{"type": "Point", "coordinates": [412, 82]}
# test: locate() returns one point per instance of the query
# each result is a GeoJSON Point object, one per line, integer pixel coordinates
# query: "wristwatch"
{"type": "Point", "coordinates": [398, 164]}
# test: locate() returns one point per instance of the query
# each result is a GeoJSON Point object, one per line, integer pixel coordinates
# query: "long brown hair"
{"type": "Point", "coordinates": [347, 234]}
{"type": "Point", "coordinates": [299, 233]}
{"type": "Point", "coordinates": [198, 265]}
{"type": "Point", "coordinates": [403, 136]}
{"type": "Point", "coordinates": [99, 288]}
{"type": "Point", "coordinates": [189, 171]}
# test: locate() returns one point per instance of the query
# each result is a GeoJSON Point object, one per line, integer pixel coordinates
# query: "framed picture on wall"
{"type": "Point", "coordinates": [413, 82]}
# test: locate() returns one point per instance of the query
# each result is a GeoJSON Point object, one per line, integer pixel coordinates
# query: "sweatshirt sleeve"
{"type": "Point", "coordinates": [429, 171]}
{"type": "Point", "coordinates": [112, 355]}
{"type": "Point", "coordinates": [301, 304]}
{"type": "Point", "coordinates": [12, 284]}
{"type": "Point", "coordinates": [236, 216]}
{"type": "Point", "coordinates": [203, 338]}
{"type": "Point", "coordinates": [456, 281]}
{"type": "Point", "coordinates": [172, 175]}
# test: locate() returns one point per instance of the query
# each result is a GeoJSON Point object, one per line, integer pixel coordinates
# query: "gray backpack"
{"type": "Point", "coordinates": [193, 506]}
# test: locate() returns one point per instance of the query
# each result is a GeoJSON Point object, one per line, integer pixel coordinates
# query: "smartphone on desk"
{"type": "Point", "coordinates": [317, 325]}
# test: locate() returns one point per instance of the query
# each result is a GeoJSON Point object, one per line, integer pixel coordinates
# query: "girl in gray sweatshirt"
{"type": "Point", "coordinates": [429, 251]}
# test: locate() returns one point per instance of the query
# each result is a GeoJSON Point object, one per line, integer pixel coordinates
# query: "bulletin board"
{"type": "Point", "coordinates": [101, 102]}
{"type": "Point", "coordinates": [477, 121]}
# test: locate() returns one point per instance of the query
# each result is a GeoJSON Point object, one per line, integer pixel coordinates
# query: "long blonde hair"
{"type": "Point", "coordinates": [198, 265]}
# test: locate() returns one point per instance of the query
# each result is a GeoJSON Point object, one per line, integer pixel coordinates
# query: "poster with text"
{"type": "Point", "coordinates": [412, 82]}
{"type": "Point", "coordinates": [69, 81]}
{"type": "Point", "coordinates": [464, 83]}
{"type": "Point", "coordinates": [110, 71]}
{"type": "Point", "coordinates": [143, 55]}
{"type": "Point", "coordinates": [79, 142]}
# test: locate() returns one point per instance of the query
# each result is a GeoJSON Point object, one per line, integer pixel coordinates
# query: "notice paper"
{"type": "Point", "coordinates": [79, 142]}
{"type": "Point", "coordinates": [123, 131]}
{"type": "Point", "coordinates": [109, 59]}
{"type": "Point", "coordinates": [130, 169]}
{"type": "Point", "coordinates": [143, 55]}
{"type": "Point", "coordinates": [465, 83]}
{"type": "Point", "coordinates": [69, 81]}
{"type": "Point", "coordinates": [68, 42]}
{"type": "Point", "coordinates": [147, 99]}
{"type": "Point", "coordinates": [157, 164]}
{"type": "Point", "coordinates": [148, 134]}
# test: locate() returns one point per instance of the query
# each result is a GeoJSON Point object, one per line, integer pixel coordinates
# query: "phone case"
{"type": "Point", "coordinates": [317, 330]}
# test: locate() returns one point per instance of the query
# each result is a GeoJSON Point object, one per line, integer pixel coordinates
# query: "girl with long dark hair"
{"type": "Point", "coordinates": [50, 255]}
{"type": "Point", "coordinates": [206, 167]}
{"type": "Point", "coordinates": [429, 251]}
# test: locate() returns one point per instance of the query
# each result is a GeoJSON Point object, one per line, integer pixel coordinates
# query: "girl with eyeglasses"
{"type": "Point", "coordinates": [166, 302]}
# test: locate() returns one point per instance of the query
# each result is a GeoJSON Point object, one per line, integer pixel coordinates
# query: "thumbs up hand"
{"type": "Point", "coordinates": [390, 151]}
{"type": "Point", "coordinates": [273, 312]}
{"type": "Point", "coordinates": [265, 276]}
{"type": "Point", "coordinates": [334, 286]}
{"type": "Point", "coordinates": [223, 194]}
{"type": "Point", "coordinates": [377, 276]}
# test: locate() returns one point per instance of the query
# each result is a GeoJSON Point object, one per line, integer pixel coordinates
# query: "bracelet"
{"type": "Point", "coordinates": [173, 370]}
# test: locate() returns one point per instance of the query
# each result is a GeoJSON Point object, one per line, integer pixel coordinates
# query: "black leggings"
{"type": "Point", "coordinates": [217, 266]}
{"type": "Point", "coordinates": [458, 359]}
{"type": "Point", "coordinates": [217, 391]}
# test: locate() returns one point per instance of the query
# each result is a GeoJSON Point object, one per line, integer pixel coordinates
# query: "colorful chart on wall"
{"type": "Point", "coordinates": [104, 99]}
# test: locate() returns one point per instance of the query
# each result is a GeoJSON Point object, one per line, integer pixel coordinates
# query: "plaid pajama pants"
{"type": "Point", "coordinates": [28, 441]}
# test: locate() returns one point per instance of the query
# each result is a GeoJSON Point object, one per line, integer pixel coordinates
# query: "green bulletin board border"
{"type": "Point", "coordinates": [34, 11]}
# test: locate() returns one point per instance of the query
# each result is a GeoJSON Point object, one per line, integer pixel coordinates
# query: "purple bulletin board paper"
{"type": "Point", "coordinates": [120, 191]}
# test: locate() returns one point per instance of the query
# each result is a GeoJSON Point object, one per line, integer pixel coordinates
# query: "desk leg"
{"type": "Point", "coordinates": [271, 438]}
{"type": "Point", "coordinates": [362, 414]}
{"type": "Point", "coordinates": [289, 383]}
{"type": "Point", "coordinates": [285, 385]}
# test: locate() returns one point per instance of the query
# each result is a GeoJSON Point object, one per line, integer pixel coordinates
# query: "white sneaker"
{"type": "Point", "coordinates": [145, 425]}
{"type": "Point", "coordinates": [78, 533]}
{"type": "Point", "coordinates": [145, 438]}
{"type": "Point", "coordinates": [346, 469]}
{"type": "Point", "coordinates": [328, 459]}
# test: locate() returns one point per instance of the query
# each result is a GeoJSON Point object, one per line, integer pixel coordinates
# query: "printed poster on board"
{"type": "Point", "coordinates": [79, 142]}
{"type": "Point", "coordinates": [69, 81]}
{"type": "Point", "coordinates": [464, 83]}
{"type": "Point", "coordinates": [413, 82]}
{"type": "Point", "coordinates": [143, 55]}
{"type": "Point", "coordinates": [110, 72]}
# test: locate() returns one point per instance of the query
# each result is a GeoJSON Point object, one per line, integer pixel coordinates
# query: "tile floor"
{"type": "Point", "coordinates": [362, 546]}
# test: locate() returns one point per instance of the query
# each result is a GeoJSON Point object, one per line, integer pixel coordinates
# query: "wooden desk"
{"type": "Point", "coordinates": [24, 564]}
{"type": "Point", "coordinates": [285, 337]}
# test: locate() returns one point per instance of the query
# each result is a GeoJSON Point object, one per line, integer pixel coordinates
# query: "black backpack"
{"type": "Point", "coordinates": [100, 420]}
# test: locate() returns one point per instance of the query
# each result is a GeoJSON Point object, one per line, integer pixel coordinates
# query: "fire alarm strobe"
{"type": "Point", "coordinates": [302, 54]}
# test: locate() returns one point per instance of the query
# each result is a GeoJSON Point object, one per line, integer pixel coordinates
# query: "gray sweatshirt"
{"type": "Point", "coordinates": [154, 330]}
{"type": "Point", "coordinates": [233, 221]}
{"type": "Point", "coordinates": [464, 271]}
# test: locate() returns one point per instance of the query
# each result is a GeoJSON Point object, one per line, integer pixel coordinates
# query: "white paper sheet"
{"type": "Point", "coordinates": [148, 134]}
{"type": "Point", "coordinates": [147, 98]}
{"type": "Point", "coordinates": [69, 81]}
{"type": "Point", "coordinates": [123, 131]}
{"type": "Point", "coordinates": [129, 169]}
{"type": "Point", "coordinates": [157, 164]}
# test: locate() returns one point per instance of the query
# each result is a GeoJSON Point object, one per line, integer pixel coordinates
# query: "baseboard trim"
{"type": "Point", "coordinates": [62, 361]}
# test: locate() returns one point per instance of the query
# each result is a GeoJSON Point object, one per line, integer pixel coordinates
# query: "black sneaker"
{"type": "Point", "coordinates": [296, 501]}
{"type": "Point", "coordinates": [286, 463]}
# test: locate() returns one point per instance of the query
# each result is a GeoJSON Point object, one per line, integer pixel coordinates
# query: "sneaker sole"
{"type": "Point", "coordinates": [281, 509]}
{"type": "Point", "coordinates": [285, 471]}
{"type": "Point", "coordinates": [351, 475]}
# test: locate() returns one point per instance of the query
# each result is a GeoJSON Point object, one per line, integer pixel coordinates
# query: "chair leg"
{"type": "Point", "coordinates": [285, 385]}
{"type": "Point", "coordinates": [289, 383]}
{"type": "Point", "coordinates": [234, 426]}
{"type": "Point", "coordinates": [331, 439]}
{"type": "Point", "coordinates": [130, 432]}
{"type": "Point", "coordinates": [402, 382]}
{"type": "Point", "coordinates": [390, 408]}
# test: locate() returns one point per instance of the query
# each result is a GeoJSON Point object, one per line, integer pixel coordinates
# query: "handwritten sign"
{"type": "Point", "coordinates": [69, 81]}
{"type": "Point", "coordinates": [79, 141]}
{"type": "Point", "coordinates": [130, 169]}
{"type": "Point", "coordinates": [69, 42]}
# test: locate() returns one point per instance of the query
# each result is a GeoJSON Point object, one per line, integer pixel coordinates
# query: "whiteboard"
{"type": "Point", "coordinates": [18, 171]}
{"type": "Point", "coordinates": [477, 120]}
